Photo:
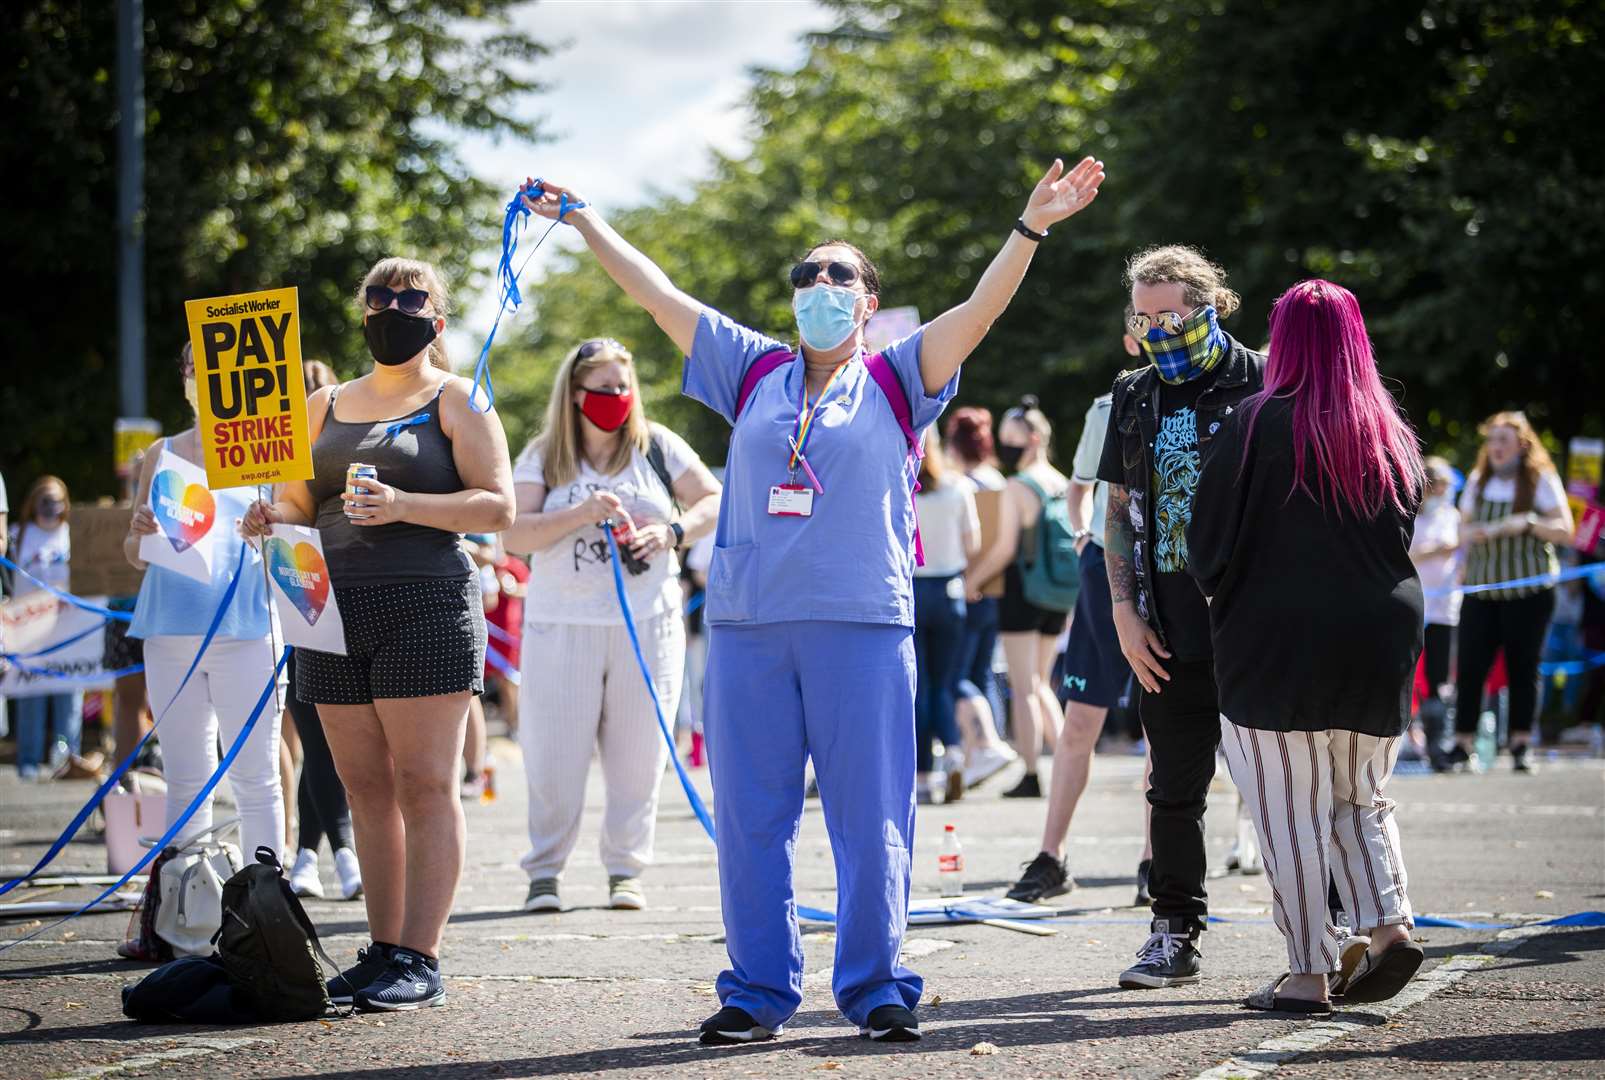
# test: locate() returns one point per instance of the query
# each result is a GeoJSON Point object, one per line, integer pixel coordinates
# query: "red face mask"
{"type": "Point", "coordinates": [607, 411]}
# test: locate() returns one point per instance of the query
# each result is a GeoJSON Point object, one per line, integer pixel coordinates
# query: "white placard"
{"type": "Point", "coordinates": [36, 622]}
{"type": "Point", "coordinates": [889, 325]}
{"type": "Point", "coordinates": [303, 594]}
{"type": "Point", "coordinates": [186, 519]}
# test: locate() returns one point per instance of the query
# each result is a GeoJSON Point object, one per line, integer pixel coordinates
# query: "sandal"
{"type": "Point", "coordinates": [1267, 999]}
{"type": "Point", "coordinates": [1351, 954]}
{"type": "Point", "coordinates": [1379, 978]}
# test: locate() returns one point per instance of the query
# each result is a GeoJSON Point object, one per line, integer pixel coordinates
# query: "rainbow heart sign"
{"type": "Point", "coordinates": [184, 511]}
{"type": "Point", "coordinates": [302, 574]}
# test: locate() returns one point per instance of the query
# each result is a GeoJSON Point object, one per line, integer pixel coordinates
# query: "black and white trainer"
{"type": "Point", "coordinates": [409, 982]}
{"type": "Point", "coordinates": [370, 962]}
{"type": "Point", "coordinates": [731, 1026]}
{"type": "Point", "coordinates": [1044, 877]}
{"type": "Point", "coordinates": [1169, 957]}
{"type": "Point", "coordinates": [891, 1023]}
{"type": "Point", "coordinates": [542, 895]}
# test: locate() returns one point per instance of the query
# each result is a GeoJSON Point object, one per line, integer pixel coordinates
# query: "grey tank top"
{"type": "Point", "coordinates": [411, 453]}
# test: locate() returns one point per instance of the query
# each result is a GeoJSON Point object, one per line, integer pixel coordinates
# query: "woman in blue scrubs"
{"type": "Point", "coordinates": [810, 600]}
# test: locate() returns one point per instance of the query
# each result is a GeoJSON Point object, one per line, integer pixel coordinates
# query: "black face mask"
{"type": "Point", "coordinates": [1009, 456]}
{"type": "Point", "coordinates": [394, 337]}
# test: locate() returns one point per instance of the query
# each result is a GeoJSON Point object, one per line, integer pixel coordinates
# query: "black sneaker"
{"type": "Point", "coordinates": [407, 983]}
{"type": "Point", "coordinates": [1168, 958]}
{"type": "Point", "coordinates": [1029, 787]}
{"type": "Point", "coordinates": [1518, 759]}
{"type": "Point", "coordinates": [370, 962]}
{"type": "Point", "coordinates": [891, 1023]}
{"type": "Point", "coordinates": [1044, 876]}
{"type": "Point", "coordinates": [731, 1026]}
{"type": "Point", "coordinates": [1144, 897]}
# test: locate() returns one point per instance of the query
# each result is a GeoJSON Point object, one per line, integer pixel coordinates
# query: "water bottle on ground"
{"type": "Point", "coordinates": [950, 863]}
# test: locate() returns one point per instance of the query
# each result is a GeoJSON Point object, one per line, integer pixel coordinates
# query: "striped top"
{"type": "Point", "coordinates": [1509, 558]}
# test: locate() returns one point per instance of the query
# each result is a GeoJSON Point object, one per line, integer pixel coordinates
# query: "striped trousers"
{"type": "Point", "coordinates": [1316, 799]}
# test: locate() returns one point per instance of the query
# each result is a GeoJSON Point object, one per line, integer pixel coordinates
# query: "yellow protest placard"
{"type": "Point", "coordinates": [253, 402]}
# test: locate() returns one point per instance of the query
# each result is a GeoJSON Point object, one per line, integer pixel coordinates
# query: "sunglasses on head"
{"type": "Point", "coordinates": [410, 301]}
{"type": "Point", "coordinates": [1168, 321]}
{"type": "Point", "coordinates": [596, 345]}
{"type": "Point", "coordinates": [805, 274]}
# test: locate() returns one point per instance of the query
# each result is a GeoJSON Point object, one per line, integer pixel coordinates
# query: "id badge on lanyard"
{"type": "Point", "coordinates": [792, 499]}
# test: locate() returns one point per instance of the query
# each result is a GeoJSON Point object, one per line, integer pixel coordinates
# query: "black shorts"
{"type": "Point", "coordinates": [118, 650]}
{"type": "Point", "coordinates": [1017, 615]}
{"type": "Point", "coordinates": [1095, 670]}
{"type": "Point", "coordinates": [418, 639]}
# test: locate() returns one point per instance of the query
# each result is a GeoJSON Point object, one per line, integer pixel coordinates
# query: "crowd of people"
{"type": "Point", "coordinates": [1248, 553]}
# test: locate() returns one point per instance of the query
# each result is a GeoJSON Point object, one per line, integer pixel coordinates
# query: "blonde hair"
{"type": "Point", "coordinates": [559, 440]}
{"type": "Point", "coordinates": [1029, 412]}
{"type": "Point", "coordinates": [405, 273]}
{"type": "Point", "coordinates": [1535, 459]}
{"type": "Point", "coordinates": [1201, 280]}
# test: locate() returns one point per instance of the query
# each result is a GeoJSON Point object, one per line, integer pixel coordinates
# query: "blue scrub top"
{"type": "Point", "coordinates": [853, 559]}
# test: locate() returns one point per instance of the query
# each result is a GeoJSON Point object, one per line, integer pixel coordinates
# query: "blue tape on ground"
{"type": "Point", "coordinates": [189, 811]}
{"type": "Point", "coordinates": [128, 762]}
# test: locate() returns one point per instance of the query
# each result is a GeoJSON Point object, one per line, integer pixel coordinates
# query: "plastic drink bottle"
{"type": "Point", "coordinates": [950, 863]}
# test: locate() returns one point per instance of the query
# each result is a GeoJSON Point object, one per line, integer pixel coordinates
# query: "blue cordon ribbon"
{"type": "Point", "coordinates": [698, 807]}
{"type": "Point", "coordinates": [57, 647]}
{"type": "Point", "coordinates": [205, 793]}
{"type": "Point", "coordinates": [128, 762]}
{"type": "Point", "coordinates": [1572, 667]}
{"type": "Point", "coordinates": [85, 605]}
{"type": "Point", "coordinates": [507, 277]}
{"type": "Point", "coordinates": [1569, 574]}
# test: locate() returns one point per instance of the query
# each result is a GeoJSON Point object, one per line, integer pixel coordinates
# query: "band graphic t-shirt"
{"type": "Point", "coordinates": [1183, 615]}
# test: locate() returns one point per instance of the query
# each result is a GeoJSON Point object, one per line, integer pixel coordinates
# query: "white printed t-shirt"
{"type": "Point", "coordinates": [571, 582]}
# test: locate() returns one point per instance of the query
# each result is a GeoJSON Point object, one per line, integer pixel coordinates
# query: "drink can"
{"type": "Point", "coordinates": [354, 472]}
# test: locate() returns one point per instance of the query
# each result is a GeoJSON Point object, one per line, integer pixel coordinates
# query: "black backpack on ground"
{"type": "Point", "coordinates": [268, 945]}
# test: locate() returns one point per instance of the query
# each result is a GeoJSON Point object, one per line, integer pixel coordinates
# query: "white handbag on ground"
{"type": "Point", "coordinates": [191, 908]}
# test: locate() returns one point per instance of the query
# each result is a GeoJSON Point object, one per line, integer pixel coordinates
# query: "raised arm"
{"type": "Point", "coordinates": [640, 278]}
{"type": "Point", "coordinates": [953, 335]}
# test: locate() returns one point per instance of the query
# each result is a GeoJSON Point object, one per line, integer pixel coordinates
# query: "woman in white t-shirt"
{"type": "Point", "coordinates": [951, 531]}
{"type": "Point", "coordinates": [598, 459]}
{"type": "Point", "coordinates": [41, 545]}
{"type": "Point", "coordinates": [1435, 550]}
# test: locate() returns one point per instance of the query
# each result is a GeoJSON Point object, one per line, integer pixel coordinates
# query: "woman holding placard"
{"type": "Point", "coordinates": [395, 706]}
{"type": "Point", "coordinates": [182, 536]}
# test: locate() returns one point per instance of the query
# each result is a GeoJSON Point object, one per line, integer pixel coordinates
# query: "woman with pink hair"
{"type": "Point", "coordinates": [1300, 539]}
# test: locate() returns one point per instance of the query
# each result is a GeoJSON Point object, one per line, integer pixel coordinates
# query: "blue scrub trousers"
{"type": "Point", "coordinates": [843, 693]}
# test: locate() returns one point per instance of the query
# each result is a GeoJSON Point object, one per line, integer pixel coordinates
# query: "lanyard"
{"type": "Point", "coordinates": [805, 414]}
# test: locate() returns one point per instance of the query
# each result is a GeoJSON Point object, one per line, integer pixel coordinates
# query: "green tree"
{"type": "Point", "coordinates": [288, 142]}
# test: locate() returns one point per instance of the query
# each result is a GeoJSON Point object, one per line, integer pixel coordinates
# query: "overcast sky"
{"type": "Point", "coordinates": [636, 101]}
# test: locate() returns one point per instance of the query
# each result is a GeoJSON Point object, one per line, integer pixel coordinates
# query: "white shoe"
{"type": "Point", "coordinates": [304, 875]}
{"type": "Point", "coordinates": [1244, 857]}
{"type": "Point", "coordinates": [986, 763]}
{"type": "Point", "coordinates": [350, 873]}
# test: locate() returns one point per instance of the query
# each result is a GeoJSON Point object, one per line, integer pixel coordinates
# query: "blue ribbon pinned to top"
{"type": "Point", "coordinates": [507, 277]}
{"type": "Point", "coordinates": [402, 425]}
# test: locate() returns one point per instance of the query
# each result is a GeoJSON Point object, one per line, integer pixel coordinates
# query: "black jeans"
{"type": "Point", "coordinates": [1182, 723]}
{"type": "Point", "coordinates": [1440, 647]}
{"type": "Point", "coordinates": [320, 797]}
{"type": "Point", "coordinates": [1519, 627]}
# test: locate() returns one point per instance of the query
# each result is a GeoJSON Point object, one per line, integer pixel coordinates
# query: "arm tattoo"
{"type": "Point", "coordinates": [1119, 540]}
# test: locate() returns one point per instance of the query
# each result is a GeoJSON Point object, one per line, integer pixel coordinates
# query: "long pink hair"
{"type": "Point", "coordinates": [1366, 455]}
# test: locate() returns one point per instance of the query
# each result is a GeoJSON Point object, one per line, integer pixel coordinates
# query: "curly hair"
{"type": "Point", "coordinates": [1203, 281]}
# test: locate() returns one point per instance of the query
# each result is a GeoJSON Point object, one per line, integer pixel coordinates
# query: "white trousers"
{"type": "Point", "coordinates": [1316, 799]}
{"type": "Point", "coordinates": [583, 692]}
{"type": "Point", "coordinates": [217, 701]}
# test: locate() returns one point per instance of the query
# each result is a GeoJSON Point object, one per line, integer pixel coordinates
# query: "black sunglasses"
{"type": "Point", "coordinates": [804, 274]}
{"type": "Point", "coordinates": [596, 345]}
{"type": "Point", "coordinates": [410, 301]}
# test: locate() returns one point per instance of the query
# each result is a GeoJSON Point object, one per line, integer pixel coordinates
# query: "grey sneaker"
{"type": "Point", "coordinates": [542, 895]}
{"type": "Point", "coordinates": [624, 893]}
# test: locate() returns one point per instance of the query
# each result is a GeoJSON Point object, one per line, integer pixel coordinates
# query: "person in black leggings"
{"type": "Point", "coordinates": [321, 807]}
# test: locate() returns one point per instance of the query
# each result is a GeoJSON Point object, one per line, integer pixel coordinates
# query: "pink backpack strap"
{"type": "Point", "coordinates": [777, 357]}
{"type": "Point", "coordinates": [885, 376]}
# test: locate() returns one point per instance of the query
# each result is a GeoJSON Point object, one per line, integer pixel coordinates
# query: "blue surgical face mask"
{"type": "Point", "coordinates": [825, 315]}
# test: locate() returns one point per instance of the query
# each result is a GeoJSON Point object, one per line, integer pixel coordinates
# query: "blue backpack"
{"type": "Point", "coordinates": [1050, 569]}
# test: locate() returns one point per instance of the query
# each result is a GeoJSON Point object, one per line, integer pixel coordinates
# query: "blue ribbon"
{"type": "Point", "coordinates": [128, 762]}
{"type": "Point", "coordinates": [402, 425]}
{"type": "Point", "coordinates": [57, 647]}
{"type": "Point", "coordinates": [698, 807]}
{"type": "Point", "coordinates": [1569, 574]}
{"type": "Point", "coordinates": [507, 277]}
{"type": "Point", "coordinates": [85, 605]}
{"type": "Point", "coordinates": [189, 811]}
{"type": "Point", "coordinates": [1573, 667]}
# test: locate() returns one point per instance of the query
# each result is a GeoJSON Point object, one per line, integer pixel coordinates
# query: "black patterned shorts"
{"type": "Point", "coordinates": [418, 639]}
